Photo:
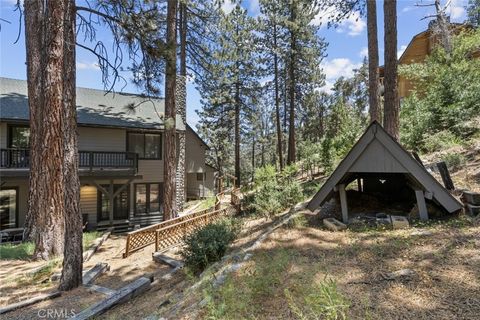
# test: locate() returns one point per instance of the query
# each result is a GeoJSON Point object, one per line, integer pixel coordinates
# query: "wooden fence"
{"type": "Point", "coordinates": [143, 237]}
{"type": "Point", "coordinates": [174, 234]}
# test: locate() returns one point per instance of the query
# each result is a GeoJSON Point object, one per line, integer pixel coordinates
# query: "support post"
{"type": "Point", "coordinates": [422, 207]}
{"type": "Point", "coordinates": [110, 200]}
{"type": "Point", "coordinates": [359, 184]}
{"type": "Point", "coordinates": [203, 183]}
{"type": "Point", "coordinates": [343, 202]}
{"type": "Point", "coordinates": [447, 180]}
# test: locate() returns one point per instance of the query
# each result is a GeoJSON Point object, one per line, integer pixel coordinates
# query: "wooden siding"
{"type": "Point", "coordinates": [88, 204]}
{"type": "Point", "coordinates": [195, 154]}
{"type": "Point", "coordinates": [376, 158]}
{"type": "Point", "coordinates": [100, 139]}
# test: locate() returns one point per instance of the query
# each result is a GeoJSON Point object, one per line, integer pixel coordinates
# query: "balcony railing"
{"type": "Point", "coordinates": [91, 160]}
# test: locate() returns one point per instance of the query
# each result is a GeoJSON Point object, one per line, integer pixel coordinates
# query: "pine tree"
{"type": "Point", "coordinates": [391, 119]}
{"type": "Point", "coordinates": [230, 81]}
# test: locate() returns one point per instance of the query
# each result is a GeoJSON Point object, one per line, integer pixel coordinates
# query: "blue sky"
{"type": "Point", "coordinates": [347, 44]}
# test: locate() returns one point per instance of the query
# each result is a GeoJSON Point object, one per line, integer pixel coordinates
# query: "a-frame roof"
{"type": "Point", "coordinates": [377, 152]}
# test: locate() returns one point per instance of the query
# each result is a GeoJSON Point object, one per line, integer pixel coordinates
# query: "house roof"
{"type": "Point", "coordinates": [94, 107]}
{"type": "Point", "coordinates": [377, 152]}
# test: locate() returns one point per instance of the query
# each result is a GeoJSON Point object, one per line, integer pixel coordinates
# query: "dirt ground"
{"type": "Point", "coordinates": [445, 283]}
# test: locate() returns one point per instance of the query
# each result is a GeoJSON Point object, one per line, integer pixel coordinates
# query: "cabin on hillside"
{"type": "Point", "coordinates": [417, 50]}
{"type": "Point", "coordinates": [120, 158]}
{"type": "Point", "coordinates": [387, 178]}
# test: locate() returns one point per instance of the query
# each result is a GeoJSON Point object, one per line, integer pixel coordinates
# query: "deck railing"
{"type": "Point", "coordinates": [20, 158]}
{"type": "Point", "coordinates": [146, 236]}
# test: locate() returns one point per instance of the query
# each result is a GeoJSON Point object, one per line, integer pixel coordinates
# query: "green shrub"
{"type": "Point", "coordinates": [21, 251]}
{"type": "Point", "coordinates": [454, 160]}
{"type": "Point", "coordinates": [209, 244]}
{"type": "Point", "coordinates": [327, 155]}
{"type": "Point", "coordinates": [440, 140]}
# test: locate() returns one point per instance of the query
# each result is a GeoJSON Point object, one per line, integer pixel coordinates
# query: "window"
{"type": "Point", "coordinates": [120, 204]}
{"type": "Point", "coordinates": [19, 137]}
{"type": "Point", "coordinates": [146, 145]}
{"type": "Point", "coordinates": [148, 198]}
{"type": "Point", "coordinates": [8, 208]}
{"type": "Point", "coordinates": [201, 176]}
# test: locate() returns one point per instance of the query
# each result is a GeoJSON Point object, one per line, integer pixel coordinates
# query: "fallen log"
{"type": "Point", "coordinates": [122, 295]}
{"type": "Point", "coordinates": [94, 273]}
{"type": "Point", "coordinates": [161, 258]}
{"type": "Point", "coordinates": [96, 244]}
{"type": "Point", "coordinates": [30, 301]}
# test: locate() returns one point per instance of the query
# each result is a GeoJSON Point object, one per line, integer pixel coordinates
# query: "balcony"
{"type": "Point", "coordinates": [16, 162]}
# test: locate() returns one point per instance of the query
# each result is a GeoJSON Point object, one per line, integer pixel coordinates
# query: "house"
{"type": "Point", "coordinates": [417, 50]}
{"type": "Point", "coordinates": [380, 165]}
{"type": "Point", "coordinates": [120, 158]}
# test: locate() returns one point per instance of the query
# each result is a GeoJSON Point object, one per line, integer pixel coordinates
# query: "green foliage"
{"type": "Point", "coordinates": [446, 95]}
{"type": "Point", "coordinates": [275, 192]}
{"type": "Point", "coordinates": [327, 155]}
{"type": "Point", "coordinates": [322, 301]}
{"type": "Point", "coordinates": [89, 237]}
{"type": "Point", "coordinates": [473, 12]}
{"type": "Point", "coordinates": [454, 160]}
{"type": "Point", "coordinates": [21, 251]}
{"type": "Point", "coordinates": [298, 221]}
{"type": "Point", "coordinates": [209, 244]}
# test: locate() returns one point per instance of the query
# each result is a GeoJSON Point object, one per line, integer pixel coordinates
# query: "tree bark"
{"type": "Point", "coordinates": [72, 256]}
{"type": "Point", "coordinates": [277, 99]}
{"type": "Point", "coordinates": [45, 83]}
{"type": "Point", "coordinates": [170, 113]}
{"type": "Point", "coordinates": [391, 105]}
{"type": "Point", "coordinates": [291, 124]}
{"type": "Point", "coordinates": [237, 134]}
{"type": "Point", "coordinates": [372, 60]}
{"type": "Point", "coordinates": [54, 221]}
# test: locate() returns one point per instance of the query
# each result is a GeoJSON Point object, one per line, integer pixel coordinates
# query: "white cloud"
{"type": "Point", "coordinates": [87, 66]}
{"type": "Point", "coordinates": [353, 25]}
{"type": "Point", "coordinates": [407, 9]}
{"type": "Point", "coordinates": [335, 68]}
{"type": "Point", "coordinates": [401, 50]}
{"type": "Point", "coordinates": [228, 6]}
{"type": "Point", "coordinates": [456, 9]}
{"type": "Point", "coordinates": [363, 53]}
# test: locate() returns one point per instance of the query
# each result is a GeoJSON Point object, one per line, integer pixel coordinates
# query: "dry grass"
{"type": "Point", "coordinates": [298, 270]}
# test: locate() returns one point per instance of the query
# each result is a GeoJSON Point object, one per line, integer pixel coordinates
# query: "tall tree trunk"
{"type": "Point", "coordinates": [372, 60]}
{"type": "Point", "coordinates": [291, 123]}
{"type": "Point", "coordinates": [277, 99]}
{"type": "Point", "coordinates": [391, 105]}
{"type": "Point", "coordinates": [181, 105]}
{"type": "Point", "coordinates": [237, 133]}
{"type": "Point", "coordinates": [253, 157]}
{"type": "Point", "coordinates": [45, 54]}
{"type": "Point", "coordinates": [170, 160]}
{"type": "Point", "coordinates": [72, 256]}
{"type": "Point", "coordinates": [54, 192]}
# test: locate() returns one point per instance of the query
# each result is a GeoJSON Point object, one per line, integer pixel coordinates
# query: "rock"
{"type": "Point", "coordinates": [421, 233]}
{"type": "Point", "coordinates": [399, 274]}
{"type": "Point", "coordinates": [334, 225]}
{"type": "Point", "coordinates": [399, 222]}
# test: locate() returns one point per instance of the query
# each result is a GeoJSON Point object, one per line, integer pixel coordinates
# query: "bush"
{"type": "Point", "coordinates": [440, 140]}
{"type": "Point", "coordinates": [454, 160]}
{"type": "Point", "coordinates": [209, 244]}
{"type": "Point", "coordinates": [276, 192]}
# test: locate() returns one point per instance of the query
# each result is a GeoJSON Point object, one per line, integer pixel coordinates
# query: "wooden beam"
{"type": "Point", "coordinates": [447, 180]}
{"type": "Point", "coordinates": [422, 207]}
{"type": "Point", "coordinates": [110, 200]}
{"type": "Point", "coordinates": [123, 187]}
{"type": "Point", "coordinates": [94, 273]}
{"type": "Point", "coordinates": [30, 301]}
{"type": "Point", "coordinates": [343, 202]}
{"type": "Point", "coordinates": [122, 295]}
{"type": "Point", "coordinates": [99, 187]}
